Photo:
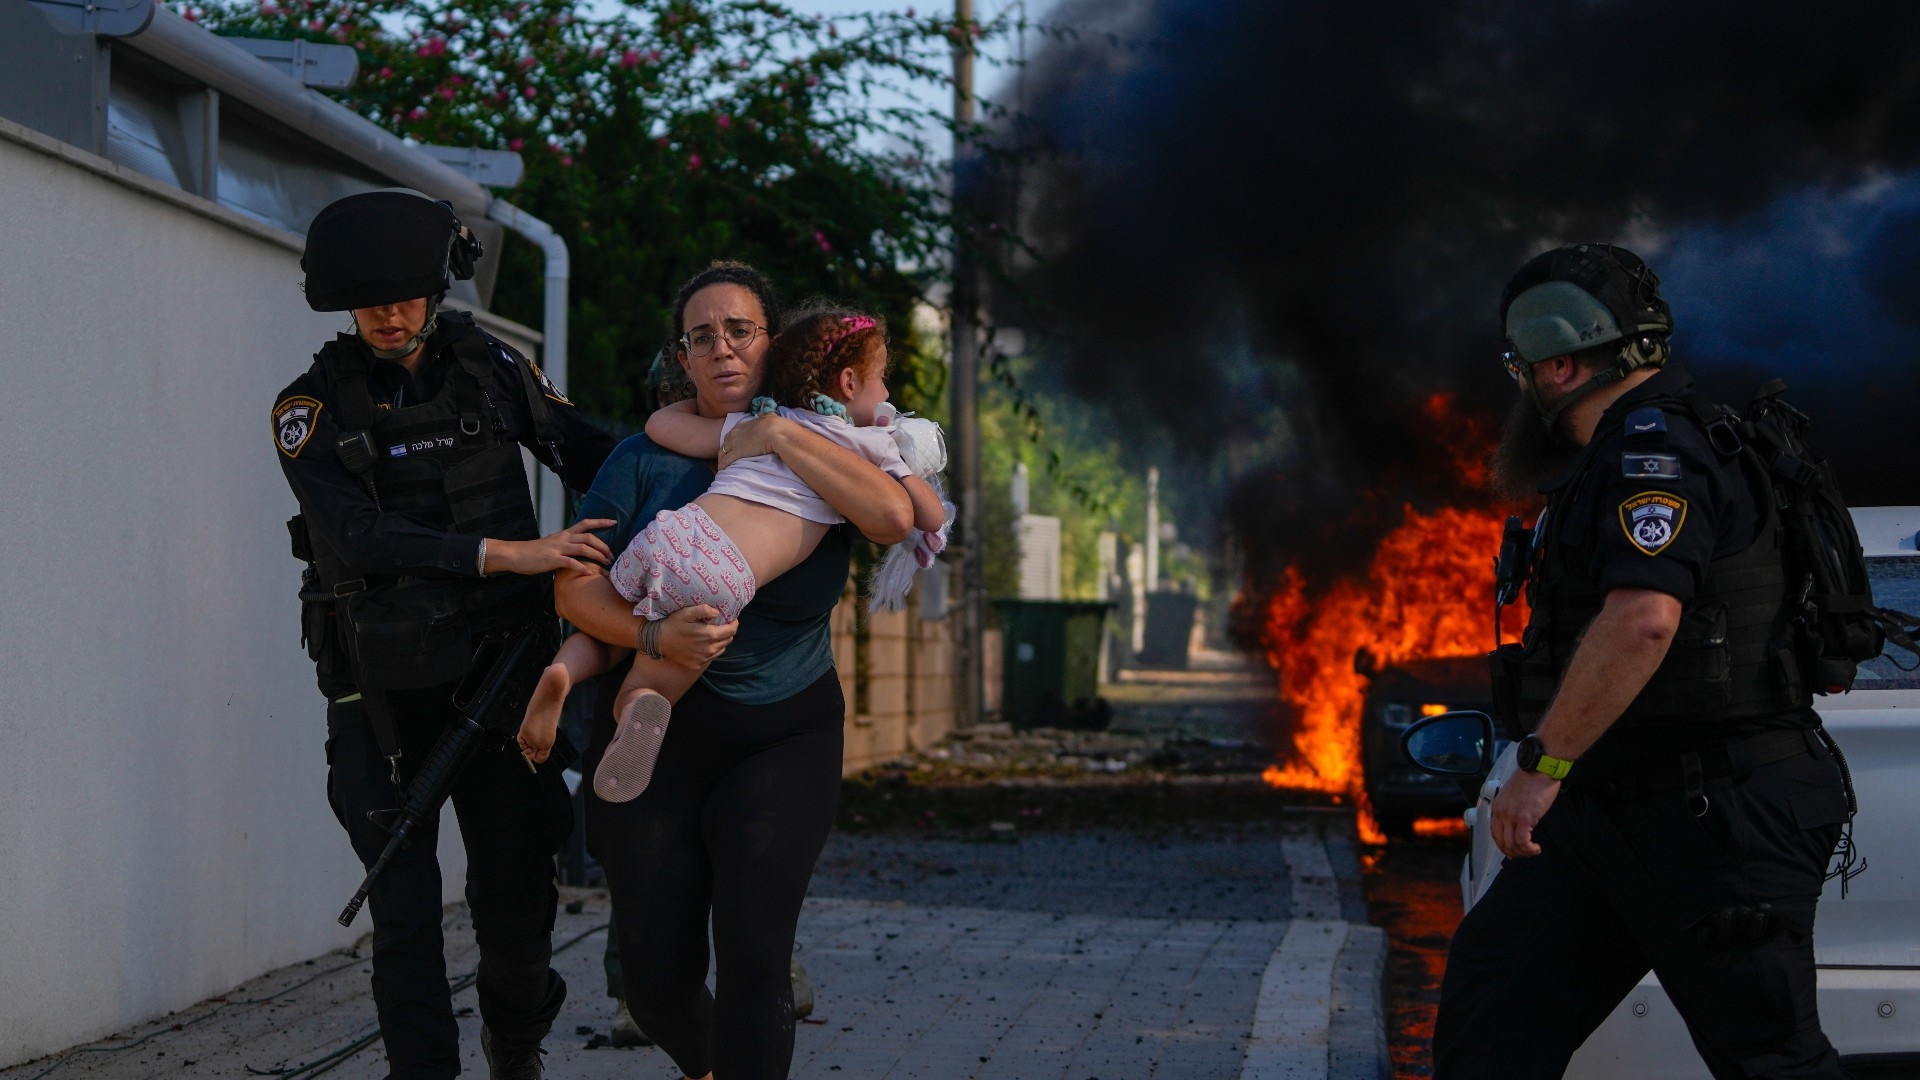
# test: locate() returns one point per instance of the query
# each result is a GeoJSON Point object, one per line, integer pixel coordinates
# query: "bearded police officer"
{"type": "Point", "coordinates": [402, 444]}
{"type": "Point", "coordinates": [1675, 809]}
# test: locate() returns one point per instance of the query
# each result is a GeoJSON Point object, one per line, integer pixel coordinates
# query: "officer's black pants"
{"type": "Point", "coordinates": [512, 823]}
{"type": "Point", "coordinates": [1624, 886]}
{"type": "Point", "coordinates": [738, 810]}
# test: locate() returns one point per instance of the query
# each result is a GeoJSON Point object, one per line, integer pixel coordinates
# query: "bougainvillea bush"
{"type": "Point", "coordinates": [661, 134]}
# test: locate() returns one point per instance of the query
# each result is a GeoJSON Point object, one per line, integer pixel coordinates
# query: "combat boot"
{"type": "Point", "coordinates": [511, 1062]}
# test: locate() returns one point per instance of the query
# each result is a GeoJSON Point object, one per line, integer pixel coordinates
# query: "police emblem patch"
{"type": "Point", "coordinates": [546, 384]}
{"type": "Point", "coordinates": [293, 423]}
{"type": "Point", "coordinates": [1652, 519]}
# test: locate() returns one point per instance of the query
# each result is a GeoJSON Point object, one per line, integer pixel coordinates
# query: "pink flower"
{"type": "Point", "coordinates": [598, 51]}
{"type": "Point", "coordinates": [665, 142]}
{"type": "Point", "coordinates": [515, 144]}
{"type": "Point", "coordinates": [723, 120]}
{"type": "Point", "coordinates": [446, 92]}
{"type": "Point", "coordinates": [567, 160]}
{"type": "Point", "coordinates": [530, 93]}
{"type": "Point", "coordinates": [433, 46]}
{"type": "Point", "coordinates": [386, 73]}
{"type": "Point", "coordinates": [821, 239]}
{"type": "Point", "coordinates": [693, 162]}
{"type": "Point", "coordinates": [526, 62]}
{"type": "Point", "coordinates": [419, 113]}
{"type": "Point", "coordinates": [270, 10]}
{"type": "Point", "coordinates": [813, 80]}
{"type": "Point", "coordinates": [653, 56]}
{"type": "Point", "coordinates": [630, 58]}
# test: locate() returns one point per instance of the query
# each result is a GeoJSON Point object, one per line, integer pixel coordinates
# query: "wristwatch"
{"type": "Point", "coordinates": [1534, 758]}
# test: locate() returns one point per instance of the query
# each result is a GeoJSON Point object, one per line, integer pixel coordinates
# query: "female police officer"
{"type": "Point", "coordinates": [402, 444]}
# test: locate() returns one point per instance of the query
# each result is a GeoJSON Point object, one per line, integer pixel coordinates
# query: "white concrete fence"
{"type": "Point", "coordinates": [164, 829]}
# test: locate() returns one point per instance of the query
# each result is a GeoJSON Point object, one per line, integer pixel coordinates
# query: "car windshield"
{"type": "Point", "coordinates": [1896, 585]}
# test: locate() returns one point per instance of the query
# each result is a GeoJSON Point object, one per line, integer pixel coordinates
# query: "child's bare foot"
{"type": "Point", "coordinates": [627, 766]}
{"type": "Point", "coordinates": [542, 721]}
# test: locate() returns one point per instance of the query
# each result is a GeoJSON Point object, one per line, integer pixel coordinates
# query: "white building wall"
{"type": "Point", "coordinates": [164, 830]}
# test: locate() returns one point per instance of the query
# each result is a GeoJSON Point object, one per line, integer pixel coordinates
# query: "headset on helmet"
{"type": "Point", "coordinates": [382, 247]}
{"type": "Point", "coordinates": [1576, 298]}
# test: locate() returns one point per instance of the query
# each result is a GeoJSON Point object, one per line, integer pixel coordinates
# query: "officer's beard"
{"type": "Point", "coordinates": [1530, 453]}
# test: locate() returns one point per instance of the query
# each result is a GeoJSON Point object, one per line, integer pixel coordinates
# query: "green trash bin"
{"type": "Point", "coordinates": [1050, 662]}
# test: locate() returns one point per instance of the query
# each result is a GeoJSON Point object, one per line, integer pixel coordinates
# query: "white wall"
{"type": "Point", "coordinates": [164, 830]}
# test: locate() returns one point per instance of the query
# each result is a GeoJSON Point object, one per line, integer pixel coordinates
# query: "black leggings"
{"type": "Point", "coordinates": [732, 824]}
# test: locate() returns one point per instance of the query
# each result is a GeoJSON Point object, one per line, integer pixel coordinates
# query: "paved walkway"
{"type": "Point", "coordinates": [1051, 956]}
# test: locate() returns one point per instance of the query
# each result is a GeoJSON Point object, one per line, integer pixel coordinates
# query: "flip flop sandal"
{"type": "Point", "coordinates": [627, 766]}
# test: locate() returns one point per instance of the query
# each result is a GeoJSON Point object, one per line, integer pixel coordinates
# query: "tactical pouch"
{"type": "Point", "coordinates": [1697, 674]}
{"type": "Point", "coordinates": [320, 633]}
{"type": "Point", "coordinates": [1503, 664]}
{"type": "Point", "coordinates": [407, 634]}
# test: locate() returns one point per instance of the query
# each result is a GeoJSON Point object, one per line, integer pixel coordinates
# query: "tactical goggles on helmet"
{"type": "Point", "coordinates": [739, 334]}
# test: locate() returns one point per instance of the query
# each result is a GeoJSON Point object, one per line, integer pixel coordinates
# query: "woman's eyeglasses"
{"type": "Point", "coordinates": [739, 334]}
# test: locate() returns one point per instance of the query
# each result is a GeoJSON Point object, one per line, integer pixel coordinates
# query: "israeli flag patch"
{"type": "Point", "coordinates": [1649, 466]}
{"type": "Point", "coordinates": [1652, 520]}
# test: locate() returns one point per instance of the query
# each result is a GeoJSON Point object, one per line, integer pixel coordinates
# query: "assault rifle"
{"type": "Point", "coordinates": [492, 698]}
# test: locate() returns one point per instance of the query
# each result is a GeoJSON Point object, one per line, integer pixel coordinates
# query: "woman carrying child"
{"type": "Point", "coordinates": [741, 800]}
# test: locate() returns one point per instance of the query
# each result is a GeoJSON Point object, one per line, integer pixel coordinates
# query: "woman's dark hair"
{"type": "Point", "coordinates": [819, 342]}
{"type": "Point", "coordinates": [723, 272]}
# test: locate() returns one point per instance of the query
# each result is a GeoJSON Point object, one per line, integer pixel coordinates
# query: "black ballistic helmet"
{"type": "Point", "coordinates": [382, 247]}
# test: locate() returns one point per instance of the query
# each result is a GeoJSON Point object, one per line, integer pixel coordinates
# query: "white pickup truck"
{"type": "Point", "coordinates": [1867, 944]}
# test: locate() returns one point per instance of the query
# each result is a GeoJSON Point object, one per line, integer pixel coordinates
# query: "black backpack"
{"type": "Point", "coordinates": [1837, 627]}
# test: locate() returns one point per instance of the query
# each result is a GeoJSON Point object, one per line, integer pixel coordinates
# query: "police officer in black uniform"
{"type": "Point", "coordinates": [402, 444]}
{"type": "Point", "coordinates": [1675, 809]}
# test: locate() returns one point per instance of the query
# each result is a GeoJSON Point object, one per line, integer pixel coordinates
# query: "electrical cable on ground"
{"type": "Point", "coordinates": [339, 1057]}
{"type": "Point", "coordinates": [311, 1068]}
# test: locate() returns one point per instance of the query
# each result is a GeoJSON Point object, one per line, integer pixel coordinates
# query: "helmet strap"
{"type": "Point", "coordinates": [406, 349]}
{"type": "Point", "coordinates": [1635, 353]}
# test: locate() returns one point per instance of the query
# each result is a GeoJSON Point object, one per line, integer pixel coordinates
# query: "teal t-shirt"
{"type": "Point", "coordinates": [784, 642]}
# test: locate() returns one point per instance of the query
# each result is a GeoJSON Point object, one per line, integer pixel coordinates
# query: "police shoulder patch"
{"type": "Point", "coordinates": [293, 422]}
{"type": "Point", "coordinates": [1652, 519]}
{"type": "Point", "coordinates": [546, 384]}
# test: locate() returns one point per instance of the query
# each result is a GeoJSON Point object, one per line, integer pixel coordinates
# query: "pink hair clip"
{"type": "Point", "coordinates": [849, 326]}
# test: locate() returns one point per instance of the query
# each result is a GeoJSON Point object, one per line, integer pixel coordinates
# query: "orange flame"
{"type": "Point", "coordinates": [1428, 593]}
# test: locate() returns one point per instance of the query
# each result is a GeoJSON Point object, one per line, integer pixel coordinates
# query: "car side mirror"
{"type": "Point", "coordinates": [1451, 744]}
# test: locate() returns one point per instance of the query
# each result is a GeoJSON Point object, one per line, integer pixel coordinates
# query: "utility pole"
{"type": "Point", "coordinates": [964, 386]}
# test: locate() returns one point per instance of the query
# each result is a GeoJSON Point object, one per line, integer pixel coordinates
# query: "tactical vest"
{"type": "Point", "coordinates": [1730, 659]}
{"type": "Point", "coordinates": [447, 463]}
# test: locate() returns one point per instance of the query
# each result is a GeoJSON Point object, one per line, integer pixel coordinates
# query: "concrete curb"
{"type": "Point", "coordinates": [1322, 1009]}
{"type": "Point", "coordinates": [1357, 1036]}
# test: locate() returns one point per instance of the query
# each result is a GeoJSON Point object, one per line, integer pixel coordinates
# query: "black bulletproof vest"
{"type": "Point", "coordinates": [1730, 659]}
{"type": "Point", "coordinates": [446, 463]}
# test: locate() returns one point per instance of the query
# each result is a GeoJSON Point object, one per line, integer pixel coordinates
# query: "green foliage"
{"type": "Point", "coordinates": [1076, 471]}
{"type": "Point", "coordinates": [661, 137]}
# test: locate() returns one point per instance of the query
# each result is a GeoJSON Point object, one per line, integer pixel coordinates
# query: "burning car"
{"type": "Point", "coordinates": [1398, 695]}
{"type": "Point", "coordinates": [1867, 937]}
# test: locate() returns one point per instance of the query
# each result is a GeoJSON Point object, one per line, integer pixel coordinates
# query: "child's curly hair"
{"type": "Point", "coordinates": [820, 342]}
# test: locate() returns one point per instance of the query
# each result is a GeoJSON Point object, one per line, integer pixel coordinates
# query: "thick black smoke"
{"type": "Point", "coordinates": [1346, 186]}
